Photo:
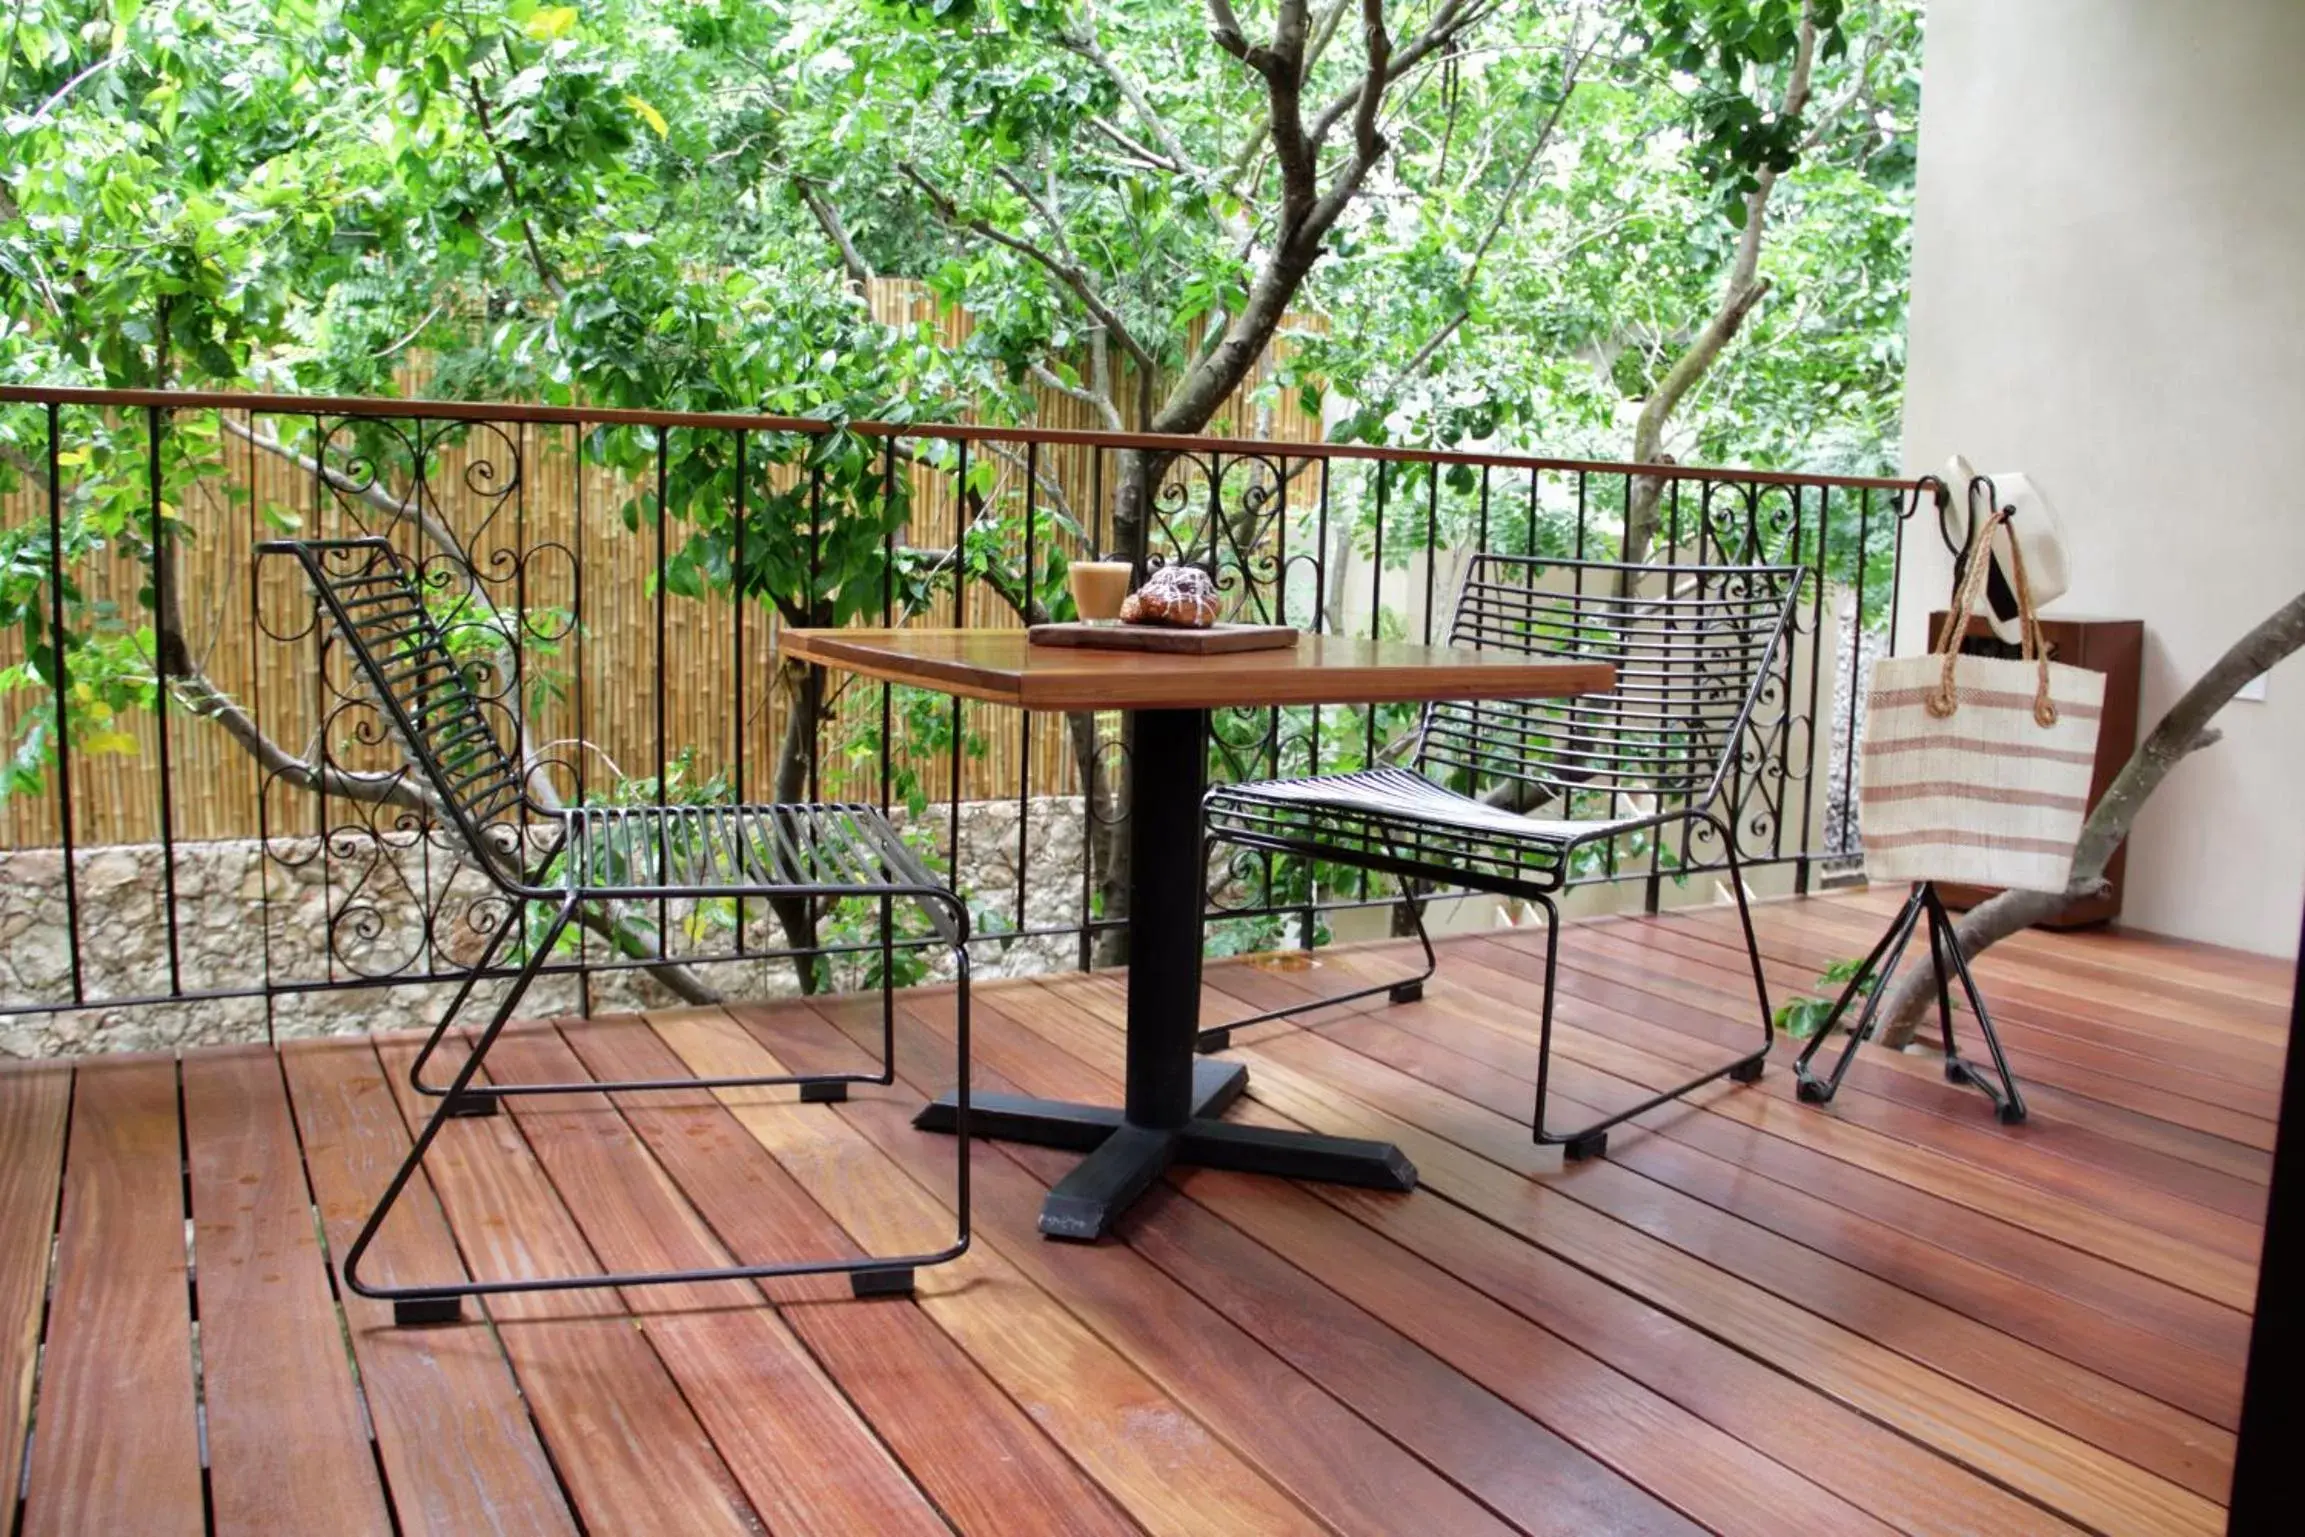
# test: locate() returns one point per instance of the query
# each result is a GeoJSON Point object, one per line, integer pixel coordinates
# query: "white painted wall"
{"type": "Point", "coordinates": [2109, 294]}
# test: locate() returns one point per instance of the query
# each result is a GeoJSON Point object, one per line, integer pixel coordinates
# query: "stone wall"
{"type": "Point", "coordinates": [294, 916]}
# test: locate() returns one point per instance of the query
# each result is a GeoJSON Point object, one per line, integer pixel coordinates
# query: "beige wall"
{"type": "Point", "coordinates": [2109, 294]}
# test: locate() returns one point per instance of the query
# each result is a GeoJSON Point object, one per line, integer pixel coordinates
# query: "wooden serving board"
{"type": "Point", "coordinates": [1213, 641]}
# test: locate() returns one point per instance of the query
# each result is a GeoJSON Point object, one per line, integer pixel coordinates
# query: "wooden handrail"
{"type": "Point", "coordinates": [966, 432]}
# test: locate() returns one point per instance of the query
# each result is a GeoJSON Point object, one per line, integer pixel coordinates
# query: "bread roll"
{"type": "Point", "coordinates": [1181, 597]}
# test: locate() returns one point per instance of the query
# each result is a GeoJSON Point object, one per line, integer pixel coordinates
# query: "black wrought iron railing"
{"type": "Point", "coordinates": [202, 809]}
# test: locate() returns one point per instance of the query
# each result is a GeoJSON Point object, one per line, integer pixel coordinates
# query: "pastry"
{"type": "Point", "coordinates": [1181, 597]}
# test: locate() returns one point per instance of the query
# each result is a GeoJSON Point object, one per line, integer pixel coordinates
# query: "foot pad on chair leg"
{"type": "Point", "coordinates": [881, 1283]}
{"type": "Point", "coordinates": [472, 1103]}
{"type": "Point", "coordinates": [1578, 1149]}
{"type": "Point", "coordinates": [1210, 1041]}
{"type": "Point", "coordinates": [1407, 992]}
{"type": "Point", "coordinates": [823, 1093]}
{"type": "Point", "coordinates": [1746, 1072]}
{"type": "Point", "coordinates": [408, 1311]}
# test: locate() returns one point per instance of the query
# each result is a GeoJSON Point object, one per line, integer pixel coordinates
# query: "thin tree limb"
{"type": "Point", "coordinates": [1433, 344]}
{"type": "Point", "coordinates": [1067, 272]}
{"type": "Point", "coordinates": [1082, 40]}
{"type": "Point", "coordinates": [828, 219]}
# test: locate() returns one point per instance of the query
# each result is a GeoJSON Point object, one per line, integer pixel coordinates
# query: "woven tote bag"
{"type": "Point", "coordinates": [1976, 769]}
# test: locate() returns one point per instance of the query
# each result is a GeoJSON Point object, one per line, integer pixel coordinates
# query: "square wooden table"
{"type": "Point", "coordinates": [1173, 1098]}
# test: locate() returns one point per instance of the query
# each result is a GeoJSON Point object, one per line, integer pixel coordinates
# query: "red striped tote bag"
{"type": "Point", "coordinates": [1976, 769]}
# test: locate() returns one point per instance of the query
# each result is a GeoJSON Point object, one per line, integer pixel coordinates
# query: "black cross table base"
{"type": "Point", "coordinates": [1125, 1159]}
{"type": "Point", "coordinates": [1174, 1096]}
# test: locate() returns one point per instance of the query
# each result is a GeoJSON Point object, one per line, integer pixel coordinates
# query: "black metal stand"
{"type": "Point", "coordinates": [2008, 1104]}
{"type": "Point", "coordinates": [1172, 1098]}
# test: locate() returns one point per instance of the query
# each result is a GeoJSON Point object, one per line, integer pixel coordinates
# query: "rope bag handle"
{"type": "Point", "coordinates": [1946, 699]}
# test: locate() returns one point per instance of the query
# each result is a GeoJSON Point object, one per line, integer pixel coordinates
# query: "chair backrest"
{"type": "Point", "coordinates": [1693, 648]}
{"type": "Point", "coordinates": [375, 600]}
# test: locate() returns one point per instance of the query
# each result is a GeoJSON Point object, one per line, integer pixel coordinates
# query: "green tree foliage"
{"type": "Point", "coordinates": [1472, 222]}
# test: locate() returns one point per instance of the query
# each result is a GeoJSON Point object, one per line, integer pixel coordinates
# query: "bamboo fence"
{"type": "Point", "coordinates": [641, 683]}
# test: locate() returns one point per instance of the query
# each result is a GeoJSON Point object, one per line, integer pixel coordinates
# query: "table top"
{"type": "Point", "coordinates": [1001, 666]}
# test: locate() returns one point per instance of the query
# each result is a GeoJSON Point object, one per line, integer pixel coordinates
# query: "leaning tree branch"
{"type": "Point", "coordinates": [828, 219]}
{"type": "Point", "coordinates": [545, 272]}
{"type": "Point", "coordinates": [2183, 731]}
{"type": "Point", "coordinates": [203, 698]}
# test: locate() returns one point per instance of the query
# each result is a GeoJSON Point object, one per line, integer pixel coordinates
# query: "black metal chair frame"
{"type": "Point", "coordinates": [375, 601]}
{"type": "Point", "coordinates": [1403, 823]}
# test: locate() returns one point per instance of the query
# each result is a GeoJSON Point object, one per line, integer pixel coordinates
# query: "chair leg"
{"type": "Point", "coordinates": [440, 1304]}
{"type": "Point", "coordinates": [480, 1102]}
{"type": "Point", "coordinates": [443, 1302]}
{"type": "Point", "coordinates": [1748, 1069]}
{"type": "Point", "coordinates": [814, 1088]}
{"type": "Point", "coordinates": [1593, 1140]}
{"type": "Point", "coordinates": [1406, 990]}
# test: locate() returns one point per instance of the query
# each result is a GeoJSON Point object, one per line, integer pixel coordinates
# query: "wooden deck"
{"type": "Point", "coordinates": [1754, 1316]}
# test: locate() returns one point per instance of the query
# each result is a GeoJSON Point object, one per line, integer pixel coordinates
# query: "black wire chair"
{"type": "Point", "coordinates": [561, 859]}
{"type": "Point", "coordinates": [1693, 648]}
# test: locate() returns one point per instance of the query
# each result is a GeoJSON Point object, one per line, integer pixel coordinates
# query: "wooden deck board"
{"type": "Point", "coordinates": [1755, 1316]}
{"type": "Point", "coordinates": [815, 1465]}
{"type": "Point", "coordinates": [1111, 1415]}
{"type": "Point", "coordinates": [286, 1446]}
{"type": "Point", "coordinates": [115, 1441]}
{"type": "Point", "coordinates": [904, 1374]}
{"type": "Point", "coordinates": [1324, 1443]}
{"type": "Point", "coordinates": [1837, 1449]}
{"type": "Point", "coordinates": [34, 1101]}
{"type": "Point", "coordinates": [625, 1440]}
{"type": "Point", "coordinates": [459, 1449]}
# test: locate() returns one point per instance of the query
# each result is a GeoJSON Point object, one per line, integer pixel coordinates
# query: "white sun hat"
{"type": "Point", "coordinates": [2035, 529]}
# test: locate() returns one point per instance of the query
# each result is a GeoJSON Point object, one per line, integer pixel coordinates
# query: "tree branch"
{"type": "Point", "coordinates": [1452, 20]}
{"type": "Point", "coordinates": [1082, 40]}
{"type": "Point", "coordinates": [544, 270]}
{"type": "Point", "coordinates": [1102, 404]}
{"type": "Point", "coordinates": [1433, 344]}
{"type": "Point", "coordinates": [1140, 154]}
{"type": "Point", "coordinates": [1065, 271]}
{"type": "Point", "coordinates": [1744, 289]}
{"type": "Point", "coordinates": [828, 219]}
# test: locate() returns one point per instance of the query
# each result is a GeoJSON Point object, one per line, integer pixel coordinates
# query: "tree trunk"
{"type": "Point", "coordinates": [1744, 289]}
{"type": "Point", "coordinates": [804, 686]}
{"type": "Point", "coordinates": [2181, 732]}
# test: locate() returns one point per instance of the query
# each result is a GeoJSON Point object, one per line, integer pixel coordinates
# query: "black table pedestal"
{"type": "Point", "coordinates": [1173, 1096]}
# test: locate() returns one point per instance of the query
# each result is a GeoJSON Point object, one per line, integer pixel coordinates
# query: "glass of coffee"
{"type": "Point", "coordinates": [1098, 586]}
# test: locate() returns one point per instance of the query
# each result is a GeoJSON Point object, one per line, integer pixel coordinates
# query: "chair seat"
{"type": "Point", "coordinates": [1393, 818]}
{"type": "Point", "coordinates": [629, 850]}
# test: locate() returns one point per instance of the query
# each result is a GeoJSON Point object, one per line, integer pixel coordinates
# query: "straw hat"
{"type": "Point", "coordinates": [2034, 528]}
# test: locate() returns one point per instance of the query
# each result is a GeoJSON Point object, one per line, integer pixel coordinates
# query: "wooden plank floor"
{"type": "Point", "coordinates": [1752, 1316]}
